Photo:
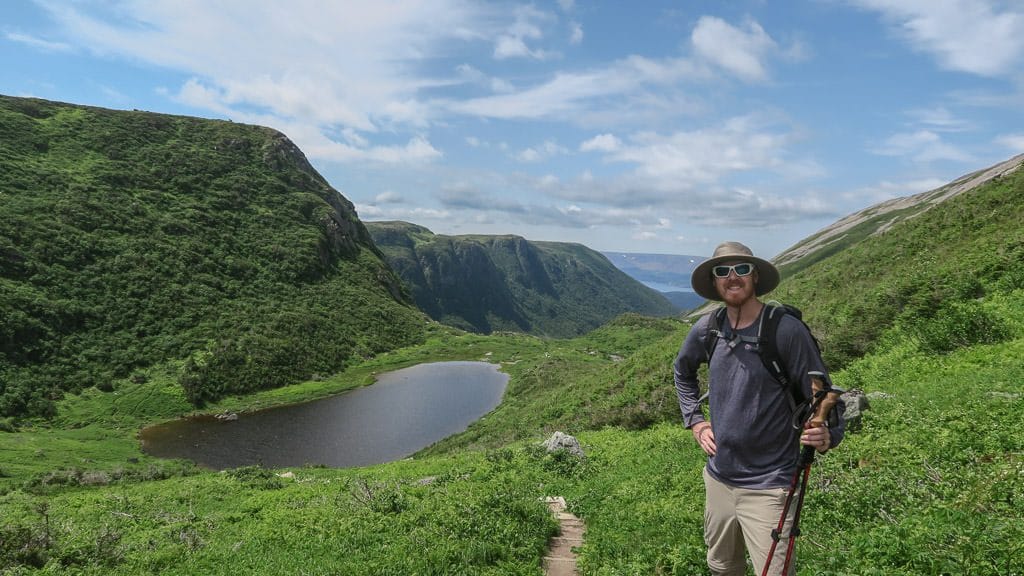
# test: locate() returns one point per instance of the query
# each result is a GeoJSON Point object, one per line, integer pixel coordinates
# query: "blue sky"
{"type": "Point", "coordinates": [655, 126]}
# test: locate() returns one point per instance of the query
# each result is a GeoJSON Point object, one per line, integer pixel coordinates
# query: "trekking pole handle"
{"type": "Point", "coordinates": [828, 395]}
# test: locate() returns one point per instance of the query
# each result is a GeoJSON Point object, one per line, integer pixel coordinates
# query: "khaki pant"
{"type": "Point", "coordinates": [735, 518]}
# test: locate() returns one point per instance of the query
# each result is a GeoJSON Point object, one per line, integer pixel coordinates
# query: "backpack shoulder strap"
{"type": "Point", "coordinates": [716, 319]}
{"type": "Point", "coordinates": [769, 348]}
{"type": "Point", "coordinates": [770, 356]}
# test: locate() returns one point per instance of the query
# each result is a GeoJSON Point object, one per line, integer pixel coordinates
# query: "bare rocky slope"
{"type": "Point", "coordinates": [882, 216]}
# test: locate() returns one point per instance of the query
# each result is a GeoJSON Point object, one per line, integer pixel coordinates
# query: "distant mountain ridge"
{"type": "Point", "coordinates": [507, 283]}
{"type": "Point", "coordinates": [663, 272]}
{"type": "Point", "coordinates": [666, 273]}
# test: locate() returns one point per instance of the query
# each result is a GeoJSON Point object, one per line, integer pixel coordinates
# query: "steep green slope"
{"type": "Point", "coordinates": [878, 218]}
{"type": "Point", "coordinates": [506, 283]}
{"type": "Point", "coordinates": [933, 268]}
{"type": "Point", "coordinates": [131, 238]}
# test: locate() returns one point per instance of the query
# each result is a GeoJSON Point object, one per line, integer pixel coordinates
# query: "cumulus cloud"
{"type": "Point", "coordinates": [741, 51]}
{"type": "Point", "coordinates": [334, 66]}
{"type": "Point", "coordinates": [601, 143]}
{"type": "Point", "coordinates": [983, 37]}
{"type": "Point", "coordinates": [513, 43]}
{"type": "Point", "coordinates": [707, 154]}
{"type": "Point", "coordinates": [543, 151]}
{"type": "Point", "coordinates": [365, 83]}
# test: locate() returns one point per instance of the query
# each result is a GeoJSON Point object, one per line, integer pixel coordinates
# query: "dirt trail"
{"type": "Point", "coordinates": [561, 559]}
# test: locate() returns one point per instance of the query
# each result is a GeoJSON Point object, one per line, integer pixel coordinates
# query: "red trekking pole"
{"type": "Point", "coordinates": [822, 402]}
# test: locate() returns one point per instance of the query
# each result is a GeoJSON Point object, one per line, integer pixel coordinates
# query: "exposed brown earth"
{"type": "Point", "coordinates": [561, 557]}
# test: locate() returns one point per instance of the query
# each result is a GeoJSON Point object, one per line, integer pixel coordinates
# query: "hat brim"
{"type": "Point", "coordinates": [704, 284]}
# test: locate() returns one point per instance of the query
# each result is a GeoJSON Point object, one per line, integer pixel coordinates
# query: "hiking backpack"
{"type": "Point", "coordinates": [767, 347]}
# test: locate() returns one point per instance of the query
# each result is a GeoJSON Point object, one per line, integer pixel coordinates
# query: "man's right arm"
{"type": "Point", "coordinates": [691, 355]}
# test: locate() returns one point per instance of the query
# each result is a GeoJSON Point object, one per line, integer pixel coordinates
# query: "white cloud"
{"type": "Point", "coordinates": [984, 37]}
{"type": "Point", "coordinates": [921, 146]}
{"type": "Point", "coordinates": [512, 47]}
{"type": "Point", "coordinates": [568, 94]}
{"type": "Point", "coordinates": [513, 42]}
{"type": "Point", "coordinates": [549, 181]}
{"type": "Point", "coordinates": [416, 214]}
{"type": "Point", "coordinates": [38, 43]}
{"type": "Point", "coordinates": [736, 50]}
{"type": "Point", "coordinates": [887, 190]}
{"type": "Point", "coordinates": [575, 33]}
{"type": "Point", "coordinates": [471, 75]}
{"type": "Point", "coordinates": [1014, 142]}
{"type": "Point", "coordinates": [706, 155]}
{"type": "Point", "coordinates": [546, 150]}
{"type": "Point", "coordinates": [389, 197]}
{"type": "Point", "coordinates": [335, 66]}
{"type": "Point", "coordinates": [417, 150]}
{"type": "Point", "coordinates": [601, 143]}
{"type": "Point", "coordinates": [939, 118]}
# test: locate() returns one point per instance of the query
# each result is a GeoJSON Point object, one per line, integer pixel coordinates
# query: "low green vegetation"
{"type": "Point", "coordinates": [931, 483]}
{"type": "Point", "coordinates": [930, 267]}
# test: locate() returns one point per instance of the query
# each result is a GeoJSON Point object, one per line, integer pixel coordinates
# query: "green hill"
{"type": "Point", "coordinates": [130, 239]}
{"type": "Point", "coordinates": [931, 262]}
{"type": "Point", "coordinates": [507, 283]}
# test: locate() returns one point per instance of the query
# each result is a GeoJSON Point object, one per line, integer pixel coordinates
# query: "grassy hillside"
{"type": "Point", "coordinates": [929, 274]}
{"type": "Point", "coordinates": [129, 239]}
{"type": "Point", "coordinates": [495, 283]}
{"type": "Point", "coordinates": [932, 483]}
{"type": "Point", "coordinates": [875, 219]}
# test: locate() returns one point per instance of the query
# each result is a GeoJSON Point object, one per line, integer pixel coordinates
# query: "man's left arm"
{"type": "Point", "coordinates": [801, 355]}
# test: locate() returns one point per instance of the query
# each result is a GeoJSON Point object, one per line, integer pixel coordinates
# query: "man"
{"type": "Point", "coordinates": [752, 447]}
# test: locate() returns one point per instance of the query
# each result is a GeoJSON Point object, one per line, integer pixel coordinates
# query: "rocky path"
{"type": "Point", "coordinates": [561, 559]}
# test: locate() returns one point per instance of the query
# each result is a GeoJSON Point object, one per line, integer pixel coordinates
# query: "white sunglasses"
{"type": "Point", "coordinates": [722, 271]}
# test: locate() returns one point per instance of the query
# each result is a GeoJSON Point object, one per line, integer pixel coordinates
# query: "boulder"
{"type": "Point", "coordinates": [562, 441]}
{"type": "Point", "coordinates": [855, 402]}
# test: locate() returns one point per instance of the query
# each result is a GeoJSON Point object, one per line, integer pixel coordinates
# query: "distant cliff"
{"type": "Point", "coordinates": [506, 283]}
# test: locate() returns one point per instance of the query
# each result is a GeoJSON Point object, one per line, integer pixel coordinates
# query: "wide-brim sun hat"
{"type": "Point", "coordinates": [704, 284]}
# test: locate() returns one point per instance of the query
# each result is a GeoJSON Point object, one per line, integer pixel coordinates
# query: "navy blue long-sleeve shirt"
{"type": "Point", "coordinates": [751, 413]}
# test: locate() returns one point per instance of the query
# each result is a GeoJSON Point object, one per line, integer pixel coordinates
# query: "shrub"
{"type": "Point", "coordinates": [256, 477]}
{"type": "Point", "coordinates": [23, 546]}
{"type": "Point", "coordinates": [380, 498]}
{"type": "Point", "coordinates": [961, 324]}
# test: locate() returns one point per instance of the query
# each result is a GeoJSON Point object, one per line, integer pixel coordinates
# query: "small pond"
{"type": "Point", "coordinates": [403, 412]}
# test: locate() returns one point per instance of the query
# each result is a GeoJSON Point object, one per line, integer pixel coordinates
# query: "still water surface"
{"type": "Point", "coordinates": [404, 411]}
